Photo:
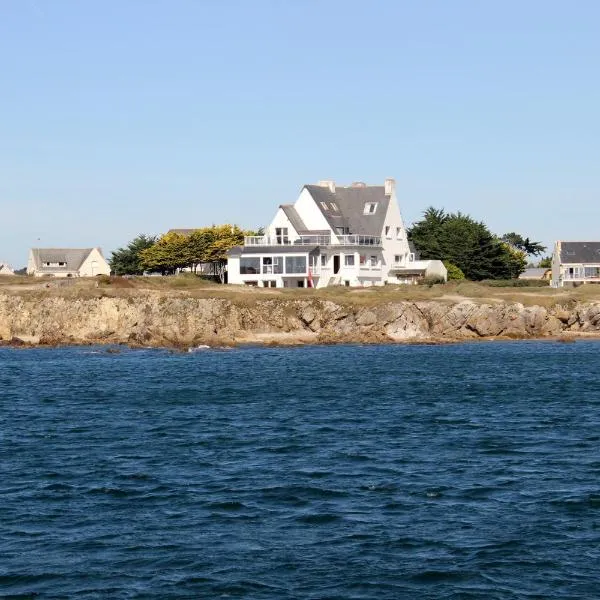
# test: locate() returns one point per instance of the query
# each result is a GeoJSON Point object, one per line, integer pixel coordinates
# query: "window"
{"type": "Point", "coordinates": [334, 206]}
{"type": "Point", "coordinates": [387, 231]}
{"type": "Point", "coordinates": [349, 260]}
{"type": "Point", "coordinates": [342, 230]}
{"type": "Point", "coordinates": [281, 233]}
{"type": "Point", "coordinates": [362, 259]}
{"type": "Point", "coordinates": [346, 283]}
{"type": "Point", "coordinates": [271, 283]}
{"type": "Point", "coordinates": [398, 233]}
{"type": "Point", "coordinates": [411, 257]}
{"type": "Point", "coordinates": [324, 205]}
{"type": "Point", "coordinates": [272, 265]}
{"type": "Point", "coordinates": [323, 260]}
{"type": "Point", "coordinates": [249, 266]}
{"type": "Point", "coordinates": [370, 208]}
{"type": "Point", "coordinates": [396, 258]}
{"type": "Point", "coordinates": [373, 261]}
{"type": "Point", "coordinates": [295, 264]}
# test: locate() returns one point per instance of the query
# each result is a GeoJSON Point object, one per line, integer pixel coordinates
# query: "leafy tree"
{"type": "Point", "coordinates": [523, 244]}
{"type": "Point", "coordinates": [545, 263]}
{"type": "Point", "coordinates": [126, 261]}
{"type": "Point", "coordinates": [454, 273]}
{"type": "Point", "coordinates": [467, 244]}
{"type": "Point", "coordinates": [207, 246]}
{"type": "Point", "coordinates": [167, 255]}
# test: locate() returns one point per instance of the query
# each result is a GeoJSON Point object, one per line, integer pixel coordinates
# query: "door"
{"type": "Point", "coordinates": [336, 264]}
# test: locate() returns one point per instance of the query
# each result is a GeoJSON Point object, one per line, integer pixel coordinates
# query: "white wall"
{"type": "Point", "coordinates": [310, 214]}
{"type": "Point", "coordinates": [394, 244]}
{"type": "Point", "coordinates": [94, 264]}
{"type": "Point", "coordinates": [556, 281]}
{"type": "Point", "coordinates": [281, 220]}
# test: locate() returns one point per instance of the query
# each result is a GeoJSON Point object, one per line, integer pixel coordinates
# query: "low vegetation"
{"type": "Point", "coordinates": [191, 285]}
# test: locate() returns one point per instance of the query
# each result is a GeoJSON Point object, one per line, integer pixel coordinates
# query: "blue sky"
{"type": "Point", "coordinates": [120, 117]}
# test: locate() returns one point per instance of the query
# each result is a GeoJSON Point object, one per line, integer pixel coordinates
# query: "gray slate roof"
{"type": "Point", "coordinates": [292, 214]}
{"type": "Point", "coordinates": [73, 257]}
{"type": "Point", "coordinates": [351, 202]}
{"type": "Point", "coordinates": [580, 252]}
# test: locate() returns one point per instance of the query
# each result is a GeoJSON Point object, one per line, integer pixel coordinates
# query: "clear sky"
{"type": "Point", "coordinates": [120, 117]}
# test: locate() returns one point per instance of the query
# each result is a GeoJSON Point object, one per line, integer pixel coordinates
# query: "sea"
{"type": "Point", "coordinates": [327, 472]}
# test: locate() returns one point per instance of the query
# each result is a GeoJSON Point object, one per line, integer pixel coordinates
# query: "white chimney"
{"type": "Point", "coordinates": [390, 186]}
{"type": "Point", "coordinates": [328, 183]}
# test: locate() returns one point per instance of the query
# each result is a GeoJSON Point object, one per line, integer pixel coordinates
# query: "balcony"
{"type": "Point", "coordinates": [314, 240]}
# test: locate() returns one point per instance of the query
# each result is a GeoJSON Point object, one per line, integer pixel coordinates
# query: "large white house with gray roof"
{"type": "Point", "coordinates": [332, 235]}
{"type": "Point", "coordinates": [67, 262]}
{"type": "Point", "coordinates": [575, 263]}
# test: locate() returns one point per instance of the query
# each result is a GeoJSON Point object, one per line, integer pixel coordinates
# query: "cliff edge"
{"type": "Point", "coordinates": [179, 321]}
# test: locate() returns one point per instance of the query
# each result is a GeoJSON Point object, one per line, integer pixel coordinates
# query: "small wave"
{"type": "Point", "coordinates": [318, 519]}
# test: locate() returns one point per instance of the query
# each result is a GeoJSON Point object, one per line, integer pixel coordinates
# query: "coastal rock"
{"type": "Point", "coordinates": [181, 320]}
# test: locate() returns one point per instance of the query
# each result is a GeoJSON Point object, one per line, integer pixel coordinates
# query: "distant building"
{"type": "Point", "coordinates": [5, 269]}
{"type": "Point", "coordinates": [332, 235]}
{"type": "Point", "coordinates": [537, 273]}
{"type": "Point", "coordinates": [575, 263]}
{"type": "Point", "coordinates": [67, 262]}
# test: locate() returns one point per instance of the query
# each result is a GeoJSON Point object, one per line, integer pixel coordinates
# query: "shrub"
{"type": "Point", "coordinates": [454, 272]}
{"type": "Point", "coordinates": [432, 280]}
{"type": "Point", "coordinates": [516, 282]}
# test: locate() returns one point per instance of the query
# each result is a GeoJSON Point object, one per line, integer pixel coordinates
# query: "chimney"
{"type": "Point", "coordinates": [327, 183]}
{"type": "Point", "coordinates": [390, 186]}
{"type": "Point", "coordinates": [359, 184]}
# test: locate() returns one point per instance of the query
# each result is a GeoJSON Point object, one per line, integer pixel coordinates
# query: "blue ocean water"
{"type": "Point", "coordinates": [462, 471]}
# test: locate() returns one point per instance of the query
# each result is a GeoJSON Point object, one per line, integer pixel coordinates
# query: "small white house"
{"type": "Point", "coordinates": [5, 269]}
{"type": "Point", "coordinates": [332, 235]}
{"type": "Point", "coordinates": [67, 262]}
{"type": "Point", "coordinates": [575, 263]}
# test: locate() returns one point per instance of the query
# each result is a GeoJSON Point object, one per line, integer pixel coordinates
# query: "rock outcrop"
{"type": "Point", "coordinates": [179, 321]}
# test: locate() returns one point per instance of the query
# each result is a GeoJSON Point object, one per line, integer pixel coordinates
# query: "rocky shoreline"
{"type": "Point", "coordinates": [180, 322]}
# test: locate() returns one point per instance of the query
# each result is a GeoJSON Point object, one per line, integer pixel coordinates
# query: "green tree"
{"type": "Point", "coordinates": [167, 255]}
{"type": "Point", "coordinates": [545, 263]}
{"type": "Point", "coordinates": [467, 244]}
{"type": "Point", "coordinates": [126, 261]}
{"type": "Point", "coordinates": [523, 244]}
{"type": "Point", "coordinates": [454, 273]}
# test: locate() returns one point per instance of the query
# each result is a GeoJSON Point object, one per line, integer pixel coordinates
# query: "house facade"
{"type": "Point", "coordinates": [5, 269]}
{"type": "Point", "coordinates": [575, 263]}
{"type": "Point", "coordinates": [67, 262]}
{"type": "Point", "coordinates": [332, 235]}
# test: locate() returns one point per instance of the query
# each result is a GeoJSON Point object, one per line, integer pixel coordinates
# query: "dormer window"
{"type": "Point", "coordinates": [334, 206]}
{"type": "Point", "coordinates": [370, 208]}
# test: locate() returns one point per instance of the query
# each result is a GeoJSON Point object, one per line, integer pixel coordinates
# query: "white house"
{"type": "Point", "coordinates": [67, 262]}
{"type": "Point", "coordinates": [575, 263]}
{"type": "Point", "coordinates": [5, 269]}
{"type": "Point", "coordinates": [332, 235]}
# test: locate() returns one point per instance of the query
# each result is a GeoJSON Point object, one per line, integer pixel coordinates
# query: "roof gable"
{"type": "Point", "coordinates": [345, 208]}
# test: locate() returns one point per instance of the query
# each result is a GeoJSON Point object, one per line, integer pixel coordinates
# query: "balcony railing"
{"type": "Point", "coordinates": [313, 240]}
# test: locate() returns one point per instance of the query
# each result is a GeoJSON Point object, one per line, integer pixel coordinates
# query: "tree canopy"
{"type": "Point", "coordinates": [209, 245]}
{"type": "Point", "coordinates": [523, 244]}
{"type": "Point", "coordinates": [467, 244]}
{"type": "Point", "coordinates": [126, 261]}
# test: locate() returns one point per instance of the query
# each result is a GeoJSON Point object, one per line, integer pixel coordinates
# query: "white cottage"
{"type": "Point", "coordinates": [575, 262]}
{"type": "Point", "coordinates": [332, 235]}
{"type": "Point", "coordinates": [67, 262]}
{"type": "Point", "coordinates": [5, 269]}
